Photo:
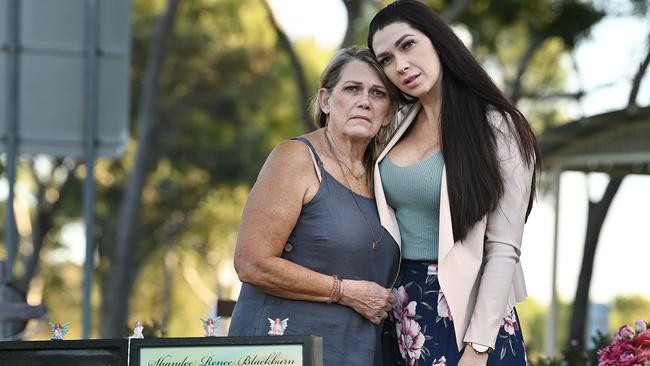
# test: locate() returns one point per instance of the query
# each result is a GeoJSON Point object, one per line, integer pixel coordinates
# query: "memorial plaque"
{"type": "Point", "coordinates": [227, 351]}
{"type": "Point", "coordinates": [204, 351]}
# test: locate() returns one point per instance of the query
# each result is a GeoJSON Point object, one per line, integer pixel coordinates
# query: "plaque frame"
{"type": "Point", "coordinates": [312, 346]}
{"type": "Point", "coordinates": [46, 353]}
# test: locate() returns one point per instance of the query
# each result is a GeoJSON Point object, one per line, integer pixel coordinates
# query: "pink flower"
{"type": "Point", "coordinates": [443, 307]}
{"type": "Point", "coordinates": [410, 340]}
{"type": "Point", "coordinates": [640, 326]}
{"type": "Point", "coordinates": [624, 332]}
{"type": "Point", "coordinates": [620, 353]}
{"type": "Point", "coordinates": [442, 361]}
{"type": "Point", "coordinates": [643, 339]}
{"type": "Point", "coordinates": [644, 354]}
{"type": "Point", "coordinates": [403, 308]}
{"type": "Point", "coordinates": [510, 323]}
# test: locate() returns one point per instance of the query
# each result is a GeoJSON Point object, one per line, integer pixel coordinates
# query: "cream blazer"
{"type": "Point", "coordinates": [480, 276]}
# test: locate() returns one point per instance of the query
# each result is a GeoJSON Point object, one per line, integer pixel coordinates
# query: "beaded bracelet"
{"type": "Point", "coordinates": [340, 291]}
{"type": "Point", "coordinates": [335, 286]}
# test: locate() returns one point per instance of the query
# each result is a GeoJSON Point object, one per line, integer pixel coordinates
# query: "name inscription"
{"type": "Point", "coordinates": [255, 359]}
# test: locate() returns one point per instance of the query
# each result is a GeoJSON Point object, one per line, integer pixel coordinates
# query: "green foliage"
{"type": "Point", "coordinates": [627, 310]}
{"type": "Point", "coordinates": [226, 99]}
{"type": "Point", "coordinates": [641, 7]}
{"type": "Point", "coordinates": [624, 310]}
{"type": "Point", "coordinates": [150, 329]}
{"type": "Point", "coordinates": [502, 33]}
{"type": "Point", "coordinates": [533, 317]}
{"type": "Point", "coordinates": [219, 91]}
{"type": "Point", "coordinates": [573, 356]}
{"type": "Point", "coordinates": [59, 285]}
{"type": "Point", "coordinates": [567, 19]}
{"type": "Point", "coordinates": [572, 20]}
{"type": "Point", "coordinates": [578, 357]}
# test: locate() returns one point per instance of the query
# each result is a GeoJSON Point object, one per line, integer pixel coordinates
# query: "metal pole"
{"type": "Point", "coordinates": [5, 330]}
{"type": "Point", "coordinates": [13, 48]}
{"type": "Point", "coordinates": [90, 154]}
{"type": "Point", "coordinates": [12, 129]}
{"type": "Point", "coordinates": [551, 323]}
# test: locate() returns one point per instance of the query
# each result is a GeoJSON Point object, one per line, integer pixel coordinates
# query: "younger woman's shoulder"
{"type": "Point", "coordinates": [499, 119]}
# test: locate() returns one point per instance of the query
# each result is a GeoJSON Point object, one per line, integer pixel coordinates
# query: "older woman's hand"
{"type": "Point", "coordinates": [369, 299]}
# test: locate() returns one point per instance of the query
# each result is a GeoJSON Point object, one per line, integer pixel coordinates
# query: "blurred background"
{"type": "Point", "coordinates": [187, 98]}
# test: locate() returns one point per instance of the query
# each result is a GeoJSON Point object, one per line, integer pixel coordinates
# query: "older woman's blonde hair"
{"type": "Point", "coordinates": [331, 76]}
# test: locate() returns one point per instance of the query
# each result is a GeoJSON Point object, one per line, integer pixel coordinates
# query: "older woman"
{"type": "Point", "coordinates": [311, 252]}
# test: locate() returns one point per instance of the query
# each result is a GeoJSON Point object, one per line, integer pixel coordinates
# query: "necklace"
{"type": "Point", "coordinates": [363, 174]}
{"type": "Point", "coordinates": [357, 177]}
{"type": "Point", "coordinates": [375, 241]}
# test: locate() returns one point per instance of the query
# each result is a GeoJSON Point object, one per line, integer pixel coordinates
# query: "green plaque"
{"type": "Point", "coordinates": [223, 355]}
{"type": "Point", "coordinates": [227, 351]}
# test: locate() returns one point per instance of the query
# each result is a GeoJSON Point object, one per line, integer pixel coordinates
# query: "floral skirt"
{"type": "Point", "coordinates": [420, 330]}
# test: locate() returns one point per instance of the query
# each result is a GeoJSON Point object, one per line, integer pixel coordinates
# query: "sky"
{"type": "Point", "coordinates": [611, 54]}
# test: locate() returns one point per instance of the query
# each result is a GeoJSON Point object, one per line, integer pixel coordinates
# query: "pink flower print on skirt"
{"type": "Point", "coordinates": [420, 329]}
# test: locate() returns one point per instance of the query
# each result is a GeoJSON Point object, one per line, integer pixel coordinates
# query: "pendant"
{"type": "Point", "coordinates": [375, 245]}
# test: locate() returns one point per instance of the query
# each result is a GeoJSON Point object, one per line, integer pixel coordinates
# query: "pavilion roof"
{"type": "Point", "coordinates": [614, 142]}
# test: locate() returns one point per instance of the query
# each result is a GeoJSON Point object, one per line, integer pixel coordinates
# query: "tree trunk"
{"type": "Point", "coordinates": [169, 264]}
{"type": "Point", "coordinates": [42, 223]}
{"type": "Point", "coordinates": [515, 93]}
{"type": "Point", "coordinates": [595, 219]}
{"type": "Point", "coordinates": [301, 81]}
{"type": "Point", "coordinates": [41, 226]}
{"type": "Point", "coordinates": [353, 8]}
{"type": "Point", "coordinates": [123, 271]}
{"type": "Point", "coordinates": [455, 10]}
{"type": "Point", "coordinates": [636, 83]}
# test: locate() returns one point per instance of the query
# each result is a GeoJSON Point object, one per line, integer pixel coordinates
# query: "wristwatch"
{"type": "Point", "coordinates": [479, 348]}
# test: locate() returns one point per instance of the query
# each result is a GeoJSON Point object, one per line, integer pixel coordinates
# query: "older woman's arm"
{"type": "Point", "coordinates": [286, 182]}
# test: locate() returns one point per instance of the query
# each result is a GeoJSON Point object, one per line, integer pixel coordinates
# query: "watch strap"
{"type": "Point", "coordinates": [479, 348]}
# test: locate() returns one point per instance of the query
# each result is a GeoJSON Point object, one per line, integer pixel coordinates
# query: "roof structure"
{"type": "Point", "coordinates": [616, 143]}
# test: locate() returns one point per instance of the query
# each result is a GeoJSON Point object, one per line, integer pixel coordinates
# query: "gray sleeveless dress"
{"type": "Point", "coordinates": [330, 237]}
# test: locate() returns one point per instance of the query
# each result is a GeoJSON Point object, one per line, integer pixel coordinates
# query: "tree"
{"type": "Point", "coordinates": [354, 14]}
{"type": "Point", "coordinates": [596, 217]}
{"type": "Point", "coordinates": [222, 107]}
{"type": "Point", "coordinates": [117, 290]}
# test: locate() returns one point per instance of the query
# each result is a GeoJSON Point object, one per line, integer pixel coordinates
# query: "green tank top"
{"type": "Point", "coordinates": [414, 193]}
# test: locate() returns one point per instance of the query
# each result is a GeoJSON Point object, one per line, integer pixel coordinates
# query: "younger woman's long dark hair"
{"type": "Point", "coordinates": [469, 142]}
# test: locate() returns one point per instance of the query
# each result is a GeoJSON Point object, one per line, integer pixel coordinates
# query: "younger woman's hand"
{"type": "Point", "coordinates": [473, 358]}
